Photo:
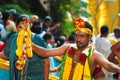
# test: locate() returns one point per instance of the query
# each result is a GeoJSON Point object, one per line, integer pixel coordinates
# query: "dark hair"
{"type": "Point", "coordinates": [48, 18]}
{"type": "Point", "coordinates": [5, 15]}
{"type": "Point", "coordinates": [20, 18]}
{"type": "Point", "coordinates": [47, 36]}
{"type": "Point", "coordinates": [117, 29]}
{"type": "Point", "coordinates": [88, 25]}
{"type": "Point", "coordinates": [15, 16]}
{"type": "Point", "coordinates": [36, 29]}
{"type": "Point", "coordinates": [71, 38]}
{"type": "Point", "coordinates": [117, 32]}
{"type": "Point", "coordinates": [104, 29]}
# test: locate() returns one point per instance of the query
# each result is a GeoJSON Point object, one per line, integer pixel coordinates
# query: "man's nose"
{"type": "Point", "coordinates": [78, 38]}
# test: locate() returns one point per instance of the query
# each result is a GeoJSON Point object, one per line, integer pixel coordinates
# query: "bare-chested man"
{"type": "Point", "coordinates": [116, 49]}
{"type": "Point", "coordinates": [80, 60]}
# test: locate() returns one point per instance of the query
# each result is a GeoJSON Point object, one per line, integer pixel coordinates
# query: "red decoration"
{"type": "Point", "coordinates": [16, 64]}
{"type": "Point", "coordinates": [2, 45]}
{"type": "Point", "coordinates": [82, 58]}
{"type": "Point", "coordinates": [79, 23]}
{"type": "Point", "coordinates": [71, 51]}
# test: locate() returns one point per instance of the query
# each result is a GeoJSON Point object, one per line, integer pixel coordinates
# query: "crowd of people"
{"type": "Point", "coordinates": [77, 57]}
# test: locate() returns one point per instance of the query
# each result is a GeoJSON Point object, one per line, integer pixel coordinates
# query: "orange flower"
{"type": "Point", "coordinates": [79, 23]}
{"type": "Point", "coordinates": [26, 20]}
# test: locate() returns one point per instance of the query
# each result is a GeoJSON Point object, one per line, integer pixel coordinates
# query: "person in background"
{"type": "Point", "coordinates": [3, 32]}
{"type": "Point", "coordinates": [114, 57]}
{"type": "Point", "coordinates": [46, 25]}
{"type": "Point", "coordinates": [115, 36]}
{"type": "Point", "coordinates": [103, 41]}
{"type": "Point", "coordinates": [34, 68]}
{"type": "Point", "coordinates": [34, 18]}
{"type": "Point", "coordinates": [80, 60]}
{"type": "Point", "coordinates": [8, 24]}
{"type": "Point", "coordinates": [115, 49]}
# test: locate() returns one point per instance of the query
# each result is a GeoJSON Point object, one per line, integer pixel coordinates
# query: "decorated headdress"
{"type": "Point", "coordinates": [80, 25]}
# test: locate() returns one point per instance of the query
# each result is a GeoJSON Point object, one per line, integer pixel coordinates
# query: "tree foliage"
{"type": "Point", "coordinates": [58, 10]}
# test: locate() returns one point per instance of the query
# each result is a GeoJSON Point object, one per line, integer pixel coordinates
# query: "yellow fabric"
{"type": "Point", "coordinates": [53, 77]}
{"type": "Point", "coordinates": [80, 25]}
{"type": "Point", "coordinates": [85, 30]}
{"type": "Point", "coordinates": [78, 70]}
{"type": "Point", "coordinates": [4, 64]}
{"type": "Point", "coordinates": [67, 68]}
{"type": "Point", "coordinates": [58, 58]}
{"type": "Point", "coordinates": [112, 40]}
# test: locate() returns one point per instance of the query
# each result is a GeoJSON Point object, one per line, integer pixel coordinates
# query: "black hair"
{"type": "Point", "coordinates": [71, 38]}
{"type": "Point", "coordinates": [5, 15]}
{"type": "Point", "coordinates": [104, 29]}
{"type": "Point", "coordinates": [117, 29]}
{"type": "Point", "coordinates": [47, 36]}
{"type": "Point", "coordinates": [20, 18]}
{"type": "Point", "coordinates": [48, 18]}
{"type": "Point", "coordinates": [88, 25]}
{"type": "Point", "coordinates": [36, 29]}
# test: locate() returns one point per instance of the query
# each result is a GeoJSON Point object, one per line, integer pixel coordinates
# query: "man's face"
{"type": "Point", "coordinates": [48, 23]}
{"type": "Point", "coordinates": [81, 39]}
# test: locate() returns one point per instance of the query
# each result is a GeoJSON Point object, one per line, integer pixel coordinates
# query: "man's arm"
{"type": "Point", "coordinates": [46, 68]}
{"type": "Point", "coordinates": [112, 58]}
{"type": "Point", "coordinates": [116, 49]}
{"type": "Point", "coordinates": [109, 66]}
{"type": "Point", "coordinates": [55, 27]}
{"type": "Point", "coordinates": [43, 52]}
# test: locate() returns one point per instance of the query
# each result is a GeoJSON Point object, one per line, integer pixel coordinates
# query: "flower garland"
{"type": "Point", "coordinates": [24, 48]}
{"type": "Point", "coordinates": [82, 66]}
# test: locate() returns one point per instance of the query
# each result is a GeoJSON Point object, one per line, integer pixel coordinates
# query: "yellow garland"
{"type": "Point", "coordinates": [67, 68]}
{"type": "Point", "coordinates": [78, 70]}
{"type": "Point", "coordinates": [24, 48]}
{"type": "Point", "coordinates": [77, 75]}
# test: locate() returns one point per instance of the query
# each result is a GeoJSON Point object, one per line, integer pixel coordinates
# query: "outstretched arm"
{"type": "Point", "coordinates": [43, 52]}
{"type": "Point", "coordinates": [109, 66]}
{"type": "Point", "coordinates": [116, 49]}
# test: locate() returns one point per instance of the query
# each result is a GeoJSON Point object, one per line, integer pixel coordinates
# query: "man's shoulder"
{"type": "Point", "coordinates": [37, 36]}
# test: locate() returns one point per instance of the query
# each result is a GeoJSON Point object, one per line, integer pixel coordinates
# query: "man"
{"type": "Point", "coordinates": [116, 49]}
{"type": "Point", "coordinates": [79, 61]}
{"type": "Point", "coordinates": [46, 25]}
{"type": "Point", "coordinates": [115, 36]}
{"type": "Point", "coordinates": [8, 24]}
{"type": "Point", "coordinates": [114, 57]}
{"type": "Point", "coordinates": [35, 68]}
{"type": "Point", "coordinates": [103, 41]}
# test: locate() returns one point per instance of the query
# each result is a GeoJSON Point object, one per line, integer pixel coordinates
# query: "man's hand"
{"type": "Point", "coordinates": [57, 25]}
{"type": "Point", "coordinates": [119, 76]}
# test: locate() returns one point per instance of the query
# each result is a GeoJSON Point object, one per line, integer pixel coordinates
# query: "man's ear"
{"type": "Point", "coordinates": [90, 36]}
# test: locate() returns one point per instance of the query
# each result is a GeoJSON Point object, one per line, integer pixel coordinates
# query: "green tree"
{"type": "Point", "coordinates": [58, 10]}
